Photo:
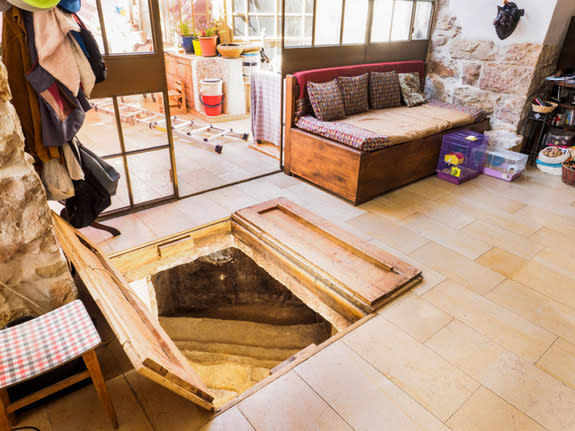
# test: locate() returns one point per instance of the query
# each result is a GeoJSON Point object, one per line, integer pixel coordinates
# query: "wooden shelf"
{"type": "Point", "coordinates": [567, 106]}
{"type": "Point", "coordinates": [562, 84]}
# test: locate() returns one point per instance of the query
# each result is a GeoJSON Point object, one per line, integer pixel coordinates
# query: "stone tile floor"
{"type": "Point", "coordinates": [485, 342]}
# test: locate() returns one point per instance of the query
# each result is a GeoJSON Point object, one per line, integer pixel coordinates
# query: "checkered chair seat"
{"type": "Point", "coordinates": [44, 343]}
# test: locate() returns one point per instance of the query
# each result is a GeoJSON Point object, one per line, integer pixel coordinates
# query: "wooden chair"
{"type": "Point", "coordinates": [177, 99]}
{"type": "Point", "coordinates": [42, 344]}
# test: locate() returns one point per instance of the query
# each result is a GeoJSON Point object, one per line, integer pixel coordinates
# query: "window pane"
{"type": "Point", "coordinates": [150, 175]}
{"type": "Point", "coordinates": [309, 6]}
{"type": "Point", "coordinates": [239, 5]}
{"type": "Point", "coordinates": [239, 27]}
{"type": "Point", "coordinates": [257, 24]}
{"type": "Point", "coordinates": [99, 131]}
{"type": "Point", "coordinates": [401, 20]}
{"type": "Point", "coordinates": [328, 22]}
{"type": "Point", "coordinates": [262, 6]}
{"type": "Point", "coordinates": [298, 31]}
{"type": "Point", "coordinates": [421, 20]}
{"type": "Point", "coordinates": [89, 14]}
{"type": "Point", "coordinates": [355, 21]}
{"type": "Point", "coordinates": [381, 25]}
{"type": "Point", "coordinates": [122, 198]}
{"type": "Point", "coordinates": [295, 6]}
{"type": "Point", "coordinates": [128, 25]}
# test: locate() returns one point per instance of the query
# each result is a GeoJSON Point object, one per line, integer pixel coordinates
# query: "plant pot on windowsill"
{"type": "Point", "coordinates": [208, 45]}
{"type": "Point", "coordinates": [187, 44]}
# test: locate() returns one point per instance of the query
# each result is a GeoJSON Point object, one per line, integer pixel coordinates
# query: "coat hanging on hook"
{"type": "Point", "coordinates": [507, 19]}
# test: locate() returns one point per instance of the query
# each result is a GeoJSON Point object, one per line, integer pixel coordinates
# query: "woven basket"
{"type": "Point", "coordinates": [544, 109]}
{"type": "Point", "coordinates": [568, 174]}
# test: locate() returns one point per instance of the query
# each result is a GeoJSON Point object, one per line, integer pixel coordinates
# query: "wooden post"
{"type": "Point", "coordinates": [290, 101]}
{"type": "Point", "coordinates": [91, 361]}
{"type": "Point", "coordinates": [5, 417]}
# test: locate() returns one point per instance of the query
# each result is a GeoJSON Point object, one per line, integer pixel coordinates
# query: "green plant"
{"type": "Point", "coordinates": [209, 31]}
{"type": "Point", "coordinates": [184, 29]}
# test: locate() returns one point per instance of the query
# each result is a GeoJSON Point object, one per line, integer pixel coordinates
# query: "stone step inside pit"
{"type": "Point", "coordinates": [232, 320]}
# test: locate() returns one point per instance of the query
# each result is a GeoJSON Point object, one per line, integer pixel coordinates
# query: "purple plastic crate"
{"type": "Point", "coordinates": [461, 156]}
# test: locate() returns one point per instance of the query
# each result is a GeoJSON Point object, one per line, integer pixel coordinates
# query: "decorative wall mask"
{"type": "Point", "coordinates": [507, 19]}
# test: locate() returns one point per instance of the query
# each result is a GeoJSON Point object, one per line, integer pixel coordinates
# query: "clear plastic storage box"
{"type": "Point", "coordinates": [504, 164]}
{"type": "Point", "coordinates": [461, 156]}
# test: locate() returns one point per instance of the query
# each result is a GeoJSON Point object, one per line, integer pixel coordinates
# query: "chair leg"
{"type": "Point", "coordinates": [6, 418]}
{"type": "Point", "coordinates": [91, 361]}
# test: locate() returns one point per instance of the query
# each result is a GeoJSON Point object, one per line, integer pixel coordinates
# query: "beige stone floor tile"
{"type": "Point", "coordinates": [442, 210]}
{"type": "Point", "coordinates": [469, 245]}
{"type": "Point", "coordinates": [501, 261]}
{"type": "Point", "coordinates": [230, 420]}
{"type": "Point", "coordinates": [388, 232]}
{"type": "Point", "coordinates": [547, 281]}
{"type": "Point", "coordinates": [517, 381]}
{"type": "Point", "coordinates": [422, 374]}
{"type": "Point", "coordinates": [445, 211]}
{"type": "Point", "coordinates": [554, 200]}
{"type": "Point", "coordinates": [489, 183]}
{"type": "Point", "coordinates": [288, 403]}
{"type": "Point", "coordinates": [457, 267]}
{"type": "Point", "coordinates": [133, 232]}
{"type": "Point", "coordinates": [369, 399]}
{"type": "Point", "coordinates": [166, 219]}
{"type": "Point", "coordinates": [383, 205]}
{"type": "Point", "coordinates": [485, 199]}
{"type": "Point", "coordinates": [557, 260]}
{"type": "Point", "coordinates": [166, 410]}
{"type": "Point", "coordinates": [485, 411]}
{"type": "Point", "coordinates": [559, 361]}
{"type": "Point", "coordinates": [83, 410]}
{"type": "Point", "coordinates": [202, 209]}
{"type": "Point", "coordinates": [492, 216]}
{"type": "Point", "coordinates": [508, 329]}
{"type": "Point", "coordinates": [563, 241]}
{"type": "Point", "coordinates": [230, 198]}
{"type": "Point", "coordinates": [431, 188]}
{"type": "Point", "coordinates": [546, 217]}
{"type": "Point", "coordinates": [504, 239]}
{"type": "Point", "coordinates": [98, 237]}
{"type": "Point", "coordinates": [431, 278]}
{"type": "Point", "coordinates": [415, 315]}
{"type": "Point", "coordinates": [552, 315]}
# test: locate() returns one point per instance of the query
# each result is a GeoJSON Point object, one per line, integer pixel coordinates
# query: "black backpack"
{"type": "Point", "coordinates": [94, 56]}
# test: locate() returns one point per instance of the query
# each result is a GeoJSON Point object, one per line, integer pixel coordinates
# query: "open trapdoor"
{"type": "Point", "coordinates": [214, 310]}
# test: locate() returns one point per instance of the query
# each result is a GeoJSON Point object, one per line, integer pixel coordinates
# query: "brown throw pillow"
{"type": "Point", "coordinates": [384, 90]}
{"type": "Point", "coordinates": [326, 100]}
{"type": "Point", "coordinates": [411, 89]}
{"type": "Point", "coordinates": [354, 93]}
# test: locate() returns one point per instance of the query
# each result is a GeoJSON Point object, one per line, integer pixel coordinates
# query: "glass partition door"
{"type": "Point", "coordinates": [128, 124]}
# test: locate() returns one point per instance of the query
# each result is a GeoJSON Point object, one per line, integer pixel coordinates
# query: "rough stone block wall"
{"type": "Point", "coordinates": [34, 276]}
{"type": "Point", "coordinates": [501, 79]}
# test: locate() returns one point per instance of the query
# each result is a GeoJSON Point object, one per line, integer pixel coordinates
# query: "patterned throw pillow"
{"type": "Point", "coordinates": [411, 89]}
{"type": "Point", "coordinates": [384, 90]}
{"type": "Point", "coordinates": [326, 100]}
{"type": "Point", "coordinates": [354, 93]}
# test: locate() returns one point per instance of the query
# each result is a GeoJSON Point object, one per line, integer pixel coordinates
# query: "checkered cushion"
{"type": "Point", "coordinates": [37, 346]}
{"type": "Point", "coordinates": [410, 85]}
{"type": "Point", "coordinates": [354, 93]}
{"type": "Point", "coordinates": [384, 90]}
{"type": "Point", "coordinates": [326, 100]}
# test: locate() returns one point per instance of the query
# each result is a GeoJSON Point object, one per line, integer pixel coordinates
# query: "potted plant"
{"type": "Point", "coordinates": [208, 41]}
{"type": "Point", "coordinates": [187, 35]}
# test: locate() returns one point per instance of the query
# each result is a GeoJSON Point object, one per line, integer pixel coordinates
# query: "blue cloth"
{"type": "Point", "coordinates": [70, 6]}
{"type": "Point", "coordinates": [78, 36]}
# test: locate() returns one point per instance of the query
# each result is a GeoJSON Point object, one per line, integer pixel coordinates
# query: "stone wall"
{"type": "Point", "coordinates": [34, 277]}
{"type": "Point", "coordinates": [500, 78]}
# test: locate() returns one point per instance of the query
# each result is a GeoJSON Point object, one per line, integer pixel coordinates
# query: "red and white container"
{"type": "Point", "coordinates": [212, 96]}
